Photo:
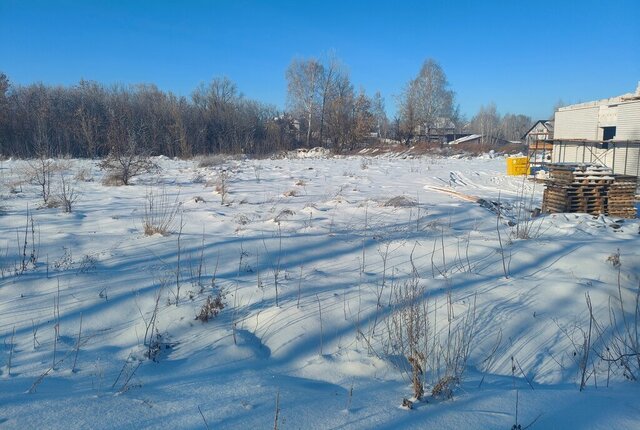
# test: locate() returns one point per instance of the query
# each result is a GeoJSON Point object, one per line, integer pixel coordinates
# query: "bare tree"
{"type": "Point", "coordinates": [126, 162]}
{"type": "Point", "coordinates": [90, 116]}
{"type": "Point", "coordinates": [380, 115]}
{"type": "Point", "coordinates": [487, 123]}
{"type": "Point", "coordinates": [332, 71]}
{"type": "Point", "coordinates": [40, 172]}
{"type": "Point", "coordinates": [340, 112]}
{"type": "Point", "coordinates": [364, 121]}
{"type": "Point", "coordinates": [513, 127]}
{"type": "Point", "coordinates": [557, 105]}
{"type": "Point", "coordinates": [4, 110]}
{"type": "Point", "coordinates": [304, 83]}
{"type": "Point", "coordinates": [425, 102]}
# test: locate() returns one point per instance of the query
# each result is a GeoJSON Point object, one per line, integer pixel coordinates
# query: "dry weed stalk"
{"type": "Point", "coordinates": [160, 212]}
{"type": "Point", "coordinates": [409, 331]}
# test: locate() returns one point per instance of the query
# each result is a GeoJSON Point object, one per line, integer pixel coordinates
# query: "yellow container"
{"type": "Point", "coordinates": [517, 166]}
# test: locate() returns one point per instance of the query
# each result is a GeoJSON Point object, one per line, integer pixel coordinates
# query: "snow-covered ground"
{"type": "Point", "coordinates": [339, 238]}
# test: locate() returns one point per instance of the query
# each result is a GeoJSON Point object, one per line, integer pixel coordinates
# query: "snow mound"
{"type": "Point", "coordinates": [401, 202]}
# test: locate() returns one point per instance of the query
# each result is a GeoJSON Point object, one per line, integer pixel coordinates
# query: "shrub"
{"type": "Point", "coordinates": [211, 308]}
{"type": "Point", "coordinates": [67, 195]}
{"type": "Point", "coordinates": [121, 166]}
{"type": "Point", "coordinates": [426, 352]}
{"type": "Point", "coordinates": [84, 175]}
{"type": "Point", "coordinates": [40, 172]}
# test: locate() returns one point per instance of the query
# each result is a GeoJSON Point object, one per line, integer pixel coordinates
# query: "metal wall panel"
{"type": "Point", "coordinates": [627, 159]}
{"type": "Point", "coordinates": [628, 127]}
{"type": "Point", "coordinates": [577, 124]}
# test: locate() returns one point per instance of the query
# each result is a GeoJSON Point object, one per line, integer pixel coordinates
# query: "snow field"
{"type": "Point", "coordinates": [322, 230]}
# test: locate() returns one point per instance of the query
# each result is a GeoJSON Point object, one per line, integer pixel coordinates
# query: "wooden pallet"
{"type": "Point", "coordinates": [589, 189]}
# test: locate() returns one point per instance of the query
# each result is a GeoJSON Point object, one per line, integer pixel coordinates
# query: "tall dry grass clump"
{"type": "Point", "coordinates": [160, 211]}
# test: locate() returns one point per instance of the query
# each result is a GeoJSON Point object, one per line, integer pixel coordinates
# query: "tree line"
{"type": "Point", "coordinates": [324, 108]}
{"type": "Point", "coordinates": [91, 120]}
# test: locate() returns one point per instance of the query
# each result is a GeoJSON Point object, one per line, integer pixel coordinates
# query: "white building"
{"type": "Point", "coordinates": [604, 131]}
{"type": "Point", "coordinates": [541, 130]}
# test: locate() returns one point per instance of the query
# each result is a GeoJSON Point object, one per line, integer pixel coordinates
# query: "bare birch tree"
{"type": "Point", "coordinates": [425, 101]}
{"type": "Point", "coordinates": [304, 83]}
{"type": "Point", "coordinates": [380, 115]}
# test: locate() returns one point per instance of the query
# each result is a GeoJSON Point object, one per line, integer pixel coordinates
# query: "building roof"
{"type": "Point", "coordinates": [546, 123]}
{"type": "Point", "coordinates": [465, 139]}
{"type": "Point", "coordinates": [625, 98]}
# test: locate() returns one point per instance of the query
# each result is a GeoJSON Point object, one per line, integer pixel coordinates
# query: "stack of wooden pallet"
{"type": "Point", "coordinates": [621, 198]}
{"type": "Point", "coordinates": [589, 189]}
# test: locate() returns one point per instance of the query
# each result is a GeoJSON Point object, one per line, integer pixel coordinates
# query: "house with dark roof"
{"type": "Point", "coordinates": [541, 130]}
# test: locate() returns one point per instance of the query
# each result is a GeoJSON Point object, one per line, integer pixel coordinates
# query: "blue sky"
{"type": "Point", "coordinates": [522, 55]}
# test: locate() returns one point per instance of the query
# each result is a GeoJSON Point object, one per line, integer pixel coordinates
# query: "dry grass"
{"type": "Point", "coordinates": [160, 213]}
{"type": "Point", "coordinates": [291, 193]}
{"type": "Point", "coordinates": [112, 180]}
{"type": "Point", "coordinates": [284, 214]}
{"type": "Point", "coordinates": [443, 389]}
{"type": "Point", "coordinates": [211, 308]}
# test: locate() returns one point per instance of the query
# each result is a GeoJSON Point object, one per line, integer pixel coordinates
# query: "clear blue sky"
{"type": "Point", "coordinates": [522, 55]}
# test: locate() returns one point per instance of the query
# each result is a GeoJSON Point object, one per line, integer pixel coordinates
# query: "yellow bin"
{"type": "Point", "coordinates": [517, 166]}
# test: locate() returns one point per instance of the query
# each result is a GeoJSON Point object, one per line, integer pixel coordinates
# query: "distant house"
{"type": "Point", "coordinates": [605, 132]}
{"type": "Point", "coordinates": [539, 143]}
{"type": "Point", "coordinates": [436, 132]}
{"type": "Point", "coordinates": [288, 123]}
{"type": "Point", "coordinates": [541, 130]}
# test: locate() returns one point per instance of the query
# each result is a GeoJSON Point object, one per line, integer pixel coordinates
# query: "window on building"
{"type": "Point", "coordinates": [608, 133]}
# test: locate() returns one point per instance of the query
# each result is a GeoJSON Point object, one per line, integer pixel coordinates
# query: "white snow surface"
{"type": "Point", "coordinates": [319, 227]}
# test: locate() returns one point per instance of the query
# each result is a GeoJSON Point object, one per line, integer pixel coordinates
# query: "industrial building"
{"type": "Point", "coordinates": [604, 132]}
